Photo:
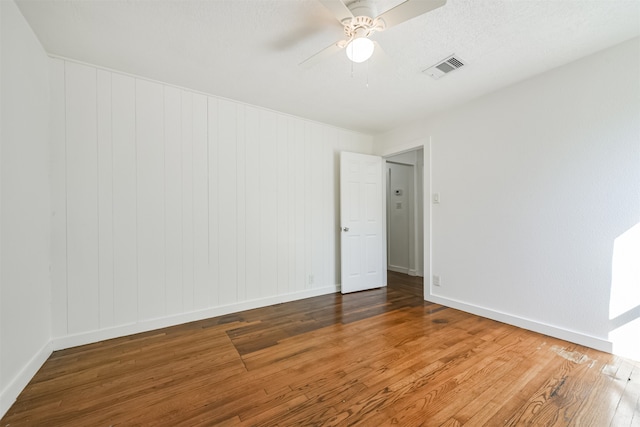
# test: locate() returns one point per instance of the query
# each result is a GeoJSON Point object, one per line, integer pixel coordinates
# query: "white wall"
{"type": "Point", "coordinates": [538, 182]}
{"type": "Point", "coordinates": [171, 205]}
{"type": "Point", "coordinates": [25, 295]}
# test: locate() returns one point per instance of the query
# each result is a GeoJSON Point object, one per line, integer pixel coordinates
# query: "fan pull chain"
{"type": "Point", "coordinates": [367, 72]}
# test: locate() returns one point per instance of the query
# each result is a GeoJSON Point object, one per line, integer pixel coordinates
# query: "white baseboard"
{"type": "Point", "coordinates": [9, 395]}
{"type": "Point", "coordinates": [403, 270]}
{"type": "Point", "coordinates": [532, 325]}
{"type": "Point", "coordinates": [59, 343]}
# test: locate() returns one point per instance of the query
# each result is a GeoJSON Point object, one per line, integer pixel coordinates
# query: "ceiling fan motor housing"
{"type": "Point", "coordinates": [363, 8]}
{"type": "Point", "coordinates": [364, 21]}
{"type": "Point", "coordinates": [361, 26]}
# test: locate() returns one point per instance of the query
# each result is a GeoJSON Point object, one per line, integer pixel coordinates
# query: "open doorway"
{"type": "Point", "coordinates": [405, 204]}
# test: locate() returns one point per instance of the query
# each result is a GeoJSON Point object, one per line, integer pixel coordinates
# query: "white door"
{"type": "Point", "coordinates": [362, 218]}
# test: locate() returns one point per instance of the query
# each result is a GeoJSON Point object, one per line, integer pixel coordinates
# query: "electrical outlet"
{"type": "Point", "coordinates": [311, 279]}
{"type": "Point", "coordinates": [436, 280]}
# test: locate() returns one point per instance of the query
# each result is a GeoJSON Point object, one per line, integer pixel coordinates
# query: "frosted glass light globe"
{"type": "Point", "coordinates": [360, 49]}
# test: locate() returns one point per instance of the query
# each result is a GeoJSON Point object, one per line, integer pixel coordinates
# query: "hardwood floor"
{"type": "Point", "coordinates": [372, 358]}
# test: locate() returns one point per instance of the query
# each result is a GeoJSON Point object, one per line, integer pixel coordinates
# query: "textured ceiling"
{"type": "Point", "coordinates": [249, 50]}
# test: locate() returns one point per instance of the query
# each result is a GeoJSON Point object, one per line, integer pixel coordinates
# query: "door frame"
{"type": "Point", "coordinates": [424, 143]}
{"type": "Point", "coordinates": [412, 216]}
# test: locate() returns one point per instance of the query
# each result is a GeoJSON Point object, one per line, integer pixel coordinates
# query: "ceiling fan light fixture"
{"type": "Point", "coordinates": [360, 49]}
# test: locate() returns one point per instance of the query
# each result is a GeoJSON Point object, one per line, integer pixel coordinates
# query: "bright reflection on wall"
{"type": "Point", "coordinates": [624, 304]}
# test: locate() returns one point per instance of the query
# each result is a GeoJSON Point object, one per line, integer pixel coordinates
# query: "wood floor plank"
{"type": "Point", "coordinates": [628, 409]}
{"type": "Point", "coordinates": [485, 407]}
{"type": "Point", "coordinates": [377, 357]}
{"type": "Point", "coordinates": [467, 388]}
{"type": "Point", "coordinates": [621, 388]}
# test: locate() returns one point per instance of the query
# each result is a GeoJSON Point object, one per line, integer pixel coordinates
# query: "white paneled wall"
{"type": "Point", "coordinates": [169, 202]}
{"type": "Point", "coordinates": [25, 292]}
{"type": "Point", "coordinates": [82, 199]}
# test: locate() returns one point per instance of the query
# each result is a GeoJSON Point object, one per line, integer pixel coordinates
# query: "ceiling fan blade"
{"type": "Point", "coordinates": [321, 56]}
{"type": "Point", "coordinates": [338, 8]}
{"type": "Point", "coordinates": [409, 9]}
{"type": "Point", "coordinates": [380, 54]}
{"type": "Point", "coordinates": [380, 60]}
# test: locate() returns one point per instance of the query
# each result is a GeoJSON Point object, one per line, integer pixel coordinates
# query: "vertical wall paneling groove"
{"type": "Point", "coordinates": [82, 199]}
{"type": "Point", "coordinates": [203, 289]}
{"type": "Point", "coordinates": [173, 199]}
{"type": "Point", "coordinates": [166, 202]}
{"type": "Point", "coordinates": [318, 237]}
{"type": "Point", "coordinates": [323, 211]}
{"type": "Point", "coordinates": [213, 227]}
{"type": "Point", "coordinates": [290, 190]}
{"type": "Point", "coordinates": [125, 268]}
{"type": "Point", "coordinates": [105, 198]}
{"type": "Point", "coordinates": [299, 281]}
{"type": "Point", "coordinates": [326, 212]}
{"type": "Point", "coordinates": [308, 205]}
{"type": "Point", "coordinates": [188, 286]}
{"type": "Point", "coordinates": [227, 204]}
{"type": "Point", "coordinates": [330, 208]}
{"type": "Point", "coordinates": [213, 257]}
{"type": "Point", "coordinates": [214, 161]}
{"type": "Point", "coordinates": [58, 200]}
{"type": "Point", "coordinates": [282, 212]}
{"type": "Point", "coordinates": [252, 204]}
{"type": "Point", "coordinates": [150, 165]}
{"type": "Point", "coordinates": [136, 101]}
{"type": "Point", "coordinates": [268, 203]}
{"type": "Point", "coordinates": [241, 204]}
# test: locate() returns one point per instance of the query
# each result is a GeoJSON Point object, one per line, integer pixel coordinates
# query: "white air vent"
{"type": "Point", "coordinates": [445, 66]}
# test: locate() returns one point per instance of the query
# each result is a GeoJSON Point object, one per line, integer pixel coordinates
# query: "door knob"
{"type": "Point", "coordinates": [345, 229]}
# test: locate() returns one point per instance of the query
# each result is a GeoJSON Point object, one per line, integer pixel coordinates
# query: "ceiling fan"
{"type": "Point", "coordinates": [360, 20]}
